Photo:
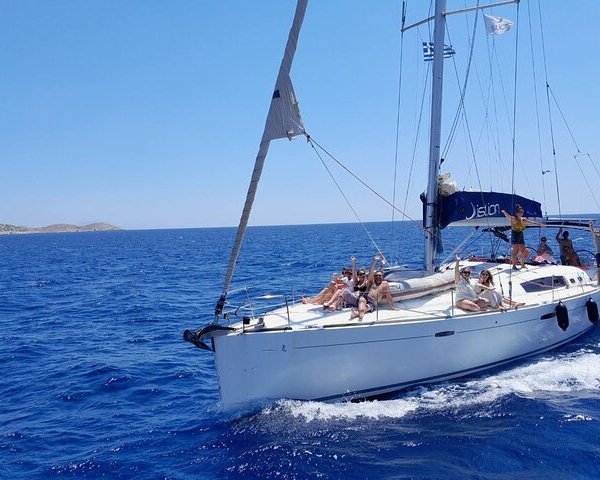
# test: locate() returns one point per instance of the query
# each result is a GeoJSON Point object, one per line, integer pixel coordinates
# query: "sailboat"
{"type": "Point", "coordinates": [296, 351]}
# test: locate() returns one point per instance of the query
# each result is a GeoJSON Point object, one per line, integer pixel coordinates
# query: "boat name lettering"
{"type": "Point", "coordinates": [486, 210]}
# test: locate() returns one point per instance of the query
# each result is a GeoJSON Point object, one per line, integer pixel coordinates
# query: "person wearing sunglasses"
{"type": "Point", "coordinates": [377, 290]}
{"type": "Point", "coordinates": [486, 288]}
{"type": "Point", "coordinates": [466, 297]}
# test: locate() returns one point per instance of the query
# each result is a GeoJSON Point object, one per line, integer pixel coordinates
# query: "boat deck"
{"type": "Point", "coordinates": [435, 306]}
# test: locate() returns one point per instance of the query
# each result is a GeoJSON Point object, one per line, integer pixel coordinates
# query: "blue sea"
{"type": "Point", "coordinates": [96, 381]}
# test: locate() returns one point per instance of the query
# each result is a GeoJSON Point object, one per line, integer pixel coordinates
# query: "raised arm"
{"type": "Point", "coordinates": [508, 215]}
{"type": "Point", "coordinates": [558, 239]}
{"type": "Point", "coordinates": [372, 269]}
{"type": "Point", "coordinates": [591, 224]}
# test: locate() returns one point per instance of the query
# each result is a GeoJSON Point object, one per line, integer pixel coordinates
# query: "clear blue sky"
{"type": "Point", "coordinates": [148, 114]}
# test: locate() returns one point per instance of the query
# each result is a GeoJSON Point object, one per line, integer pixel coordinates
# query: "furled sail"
{"type": "Point", "coordinates": [483, 208]}
{"type": "Point", "coordinates": [283, 121]}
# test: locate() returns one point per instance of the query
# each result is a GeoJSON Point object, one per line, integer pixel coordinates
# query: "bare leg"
{"type": "Point", "coordinates": [515, 252]}
{"type": "Point", "coordinates": [468, 305]}
{"type": "Point", "coordinates": [363, 308]}
{"type": "Point", "coordinates": [334, 301]}
{"type": "Point", "coordinates": [323, 296]}
{"type": "Point", "coordinates": [523, 255]}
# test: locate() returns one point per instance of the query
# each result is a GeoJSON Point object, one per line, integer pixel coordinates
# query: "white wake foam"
{"type": "Point", "coordinates": [568, 373]}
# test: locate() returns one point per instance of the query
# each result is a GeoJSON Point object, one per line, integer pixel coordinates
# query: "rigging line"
{"type": "Point", "coordinates": [584, 176]}
{"type": "Point", "coordinates": [395, 182]}
{"type": "Point", "coordinates": [576, 146]}
{"type": "Point", "coordinates": [462, 110]}
{"type": "Point", "coordinates": [463, 89]}
{"type": "Point", "coordinates": [311, 140]}
{"type": "Point", "coordinates": [564, 119]}
{"type": "Point", "coordinates": [416, 139]}
{"type": "Point", "coordinates": [549, 110]}
{"type": "Point", "coordinates": [591, 161]}
{"type": "Point", "coordinates": [346, 198]}
{"type": "Point", "coordinates": [414, 149]}
{"type": "Point", "coordinates": [537, 109]}
{"type": "Point", "coordinates": [514, 134]}
{"type": "Point", "coordinates": [514, 119]}
{"type": "Point", "coordinates": [486, 129]}
{"type": "Point", "coordinates": [507, 113]}
{"type": "Point", "coordinates": [494, 133]}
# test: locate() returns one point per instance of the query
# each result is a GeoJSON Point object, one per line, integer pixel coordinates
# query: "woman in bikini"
{"type": "Point", "coordinates": [518, 223]}
{"type": "Point", "coordinates": [375, 290]}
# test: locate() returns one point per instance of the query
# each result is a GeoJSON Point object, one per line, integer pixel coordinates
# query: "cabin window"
{"type": "Point", "coordinates": [544, 284]}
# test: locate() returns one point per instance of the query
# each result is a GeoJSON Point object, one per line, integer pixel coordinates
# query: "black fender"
{"type": "Point", "coordinates": [592, 310]}
{"type": "Point", "coordinates": [562, 316]}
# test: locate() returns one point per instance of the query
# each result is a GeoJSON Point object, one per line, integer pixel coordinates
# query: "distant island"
{"type": "Point", "coordinates": [57, 228]}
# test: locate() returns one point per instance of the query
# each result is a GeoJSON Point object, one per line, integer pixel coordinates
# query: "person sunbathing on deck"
{"type": "Point", "coordinates": [466, 298]}
{"type": "Point", "coordinates": [336, 284]}
{"type": "Point", "coordinates": [349, 294]}
{"type": "Point", "coordinates": [377, 290]}
{"type": "Point", "coordinates": [486, 288]}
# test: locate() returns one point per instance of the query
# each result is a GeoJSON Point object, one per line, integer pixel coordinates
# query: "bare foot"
{"type": "Point", "coordinates": [353, 314]}
{"type": "Point", "coordinates": [305, 300]}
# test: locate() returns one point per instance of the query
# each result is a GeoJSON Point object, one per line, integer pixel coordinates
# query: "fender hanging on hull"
{"type": "Point", "coordinates": [592, 310]}
{"type": "Point", "coordinates": [562, 316]}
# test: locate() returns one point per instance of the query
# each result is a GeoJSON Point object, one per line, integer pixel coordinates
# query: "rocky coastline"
{"type": "Point", "coordinates": [7, 229]}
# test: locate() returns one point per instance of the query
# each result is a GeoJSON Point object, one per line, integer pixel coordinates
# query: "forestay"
{"type": "Point", "coordinates": [283, 121]}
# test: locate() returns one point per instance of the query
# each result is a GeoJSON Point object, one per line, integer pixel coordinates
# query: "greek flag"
{"type": "Point", "coordinates": [428, 51]}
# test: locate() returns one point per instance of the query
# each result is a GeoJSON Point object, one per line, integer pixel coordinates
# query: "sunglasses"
{"type": "Point", "coordinates": [466, 273]}
{"type": "Point", "coordinates": [360, 273]}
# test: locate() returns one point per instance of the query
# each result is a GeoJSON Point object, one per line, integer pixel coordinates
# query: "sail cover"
{"type": "Point", "coordinates": [483, 208]}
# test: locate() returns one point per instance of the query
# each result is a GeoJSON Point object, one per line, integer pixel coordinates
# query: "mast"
{"type": "Point", "coordinates": [283, 121]}
{"type": "Point", "coordinates": [431, 211]}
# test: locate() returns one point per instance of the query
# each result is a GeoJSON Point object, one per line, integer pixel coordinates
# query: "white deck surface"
{"type": "Point", "coordinates": [437, 306]}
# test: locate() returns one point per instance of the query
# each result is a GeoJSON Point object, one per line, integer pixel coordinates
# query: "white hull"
{"type": "Point", "coordinates": [336, 358]}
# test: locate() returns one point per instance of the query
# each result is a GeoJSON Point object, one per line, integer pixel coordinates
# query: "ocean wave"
{"type": "Point", "coordinates": [565, 374]}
